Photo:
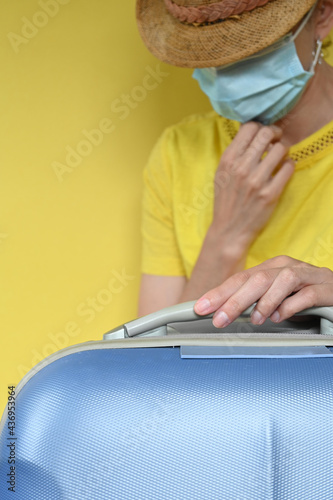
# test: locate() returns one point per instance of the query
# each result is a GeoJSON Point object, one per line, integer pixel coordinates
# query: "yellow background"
{"type": "Point", "coordinates": [64, 238]}
{"type": "Point", "coordinates": [70, 235]}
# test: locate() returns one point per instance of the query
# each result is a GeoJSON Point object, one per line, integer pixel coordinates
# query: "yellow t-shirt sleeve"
{"type": "Point", "coordinates": [160, 252]}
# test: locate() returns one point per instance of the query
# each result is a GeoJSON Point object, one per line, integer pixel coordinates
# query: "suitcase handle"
{"type": "Point", "coordinates": [155, 324]}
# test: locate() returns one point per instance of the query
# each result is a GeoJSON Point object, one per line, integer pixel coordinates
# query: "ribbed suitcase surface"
{"type": "Point", "coordinates": [143, 424]}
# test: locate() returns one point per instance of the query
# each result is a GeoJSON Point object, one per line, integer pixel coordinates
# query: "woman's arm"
{"type": "Point", "coordinates": [157, 292]}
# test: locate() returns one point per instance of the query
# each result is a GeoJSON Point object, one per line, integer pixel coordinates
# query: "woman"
{"type": "Point", "coordinates": [242, 196]}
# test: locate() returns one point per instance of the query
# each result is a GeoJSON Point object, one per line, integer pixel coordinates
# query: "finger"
{"type": "Point", "coordinates": [288, 280]}
{"type": "Point", "coordinates": [244, 137]}
{"type": "Point", "coordinates": [281, 178]}
{"type": "Point", "coordinates": [239, 145]}
{"type": "Point", "coordinates": [214, 298]}
{"type": "Point", "coordinates": [261, 142]}
{"type": "Point", "coordinates": [251, 291]}
{"type": "Point", "coordinates": [309, 296]}
{"type": "Point", "coordinates": [276, 153]}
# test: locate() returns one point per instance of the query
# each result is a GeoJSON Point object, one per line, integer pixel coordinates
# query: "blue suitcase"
{"type": "Point", "coordinates": [167, 407]}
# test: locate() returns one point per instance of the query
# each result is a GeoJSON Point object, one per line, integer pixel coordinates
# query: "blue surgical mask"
{"type": "Point", "coordinates": [263, 87]}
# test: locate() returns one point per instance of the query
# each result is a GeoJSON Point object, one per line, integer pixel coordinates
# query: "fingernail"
{"type": "Point", "coordinates": [275, 317]}
{"type": "Point", "coordinates": [221, 320]}
{"type": "Point", "coordinates": [202, 306]}
{"type": "Point", "coordinates": [257, 318]}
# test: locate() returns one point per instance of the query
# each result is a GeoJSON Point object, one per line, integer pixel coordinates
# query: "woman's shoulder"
{"type": "Point", "coordinates": [208, 119]}
{"type": "Point", "coordinates": [200, 127]}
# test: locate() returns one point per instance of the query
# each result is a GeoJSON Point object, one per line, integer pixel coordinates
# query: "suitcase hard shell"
{"type": "Point", "coordinates": [176, 417]}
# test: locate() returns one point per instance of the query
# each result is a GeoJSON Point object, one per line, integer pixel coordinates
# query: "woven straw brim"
{"type": "Point", "coordinates": [220, 43]}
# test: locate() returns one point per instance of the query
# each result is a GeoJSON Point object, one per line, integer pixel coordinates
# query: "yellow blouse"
{"type": "Point", "coordinates": [179, 196]}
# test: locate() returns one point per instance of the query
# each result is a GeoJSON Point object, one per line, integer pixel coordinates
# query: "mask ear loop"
{"type": "Point", "coordinates": [317, 55]}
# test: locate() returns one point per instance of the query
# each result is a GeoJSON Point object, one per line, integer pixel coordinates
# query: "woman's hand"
{"type": "Point", "coordinates": [281, 286]}
{"type": "Point", "coordinates": [246, 191]}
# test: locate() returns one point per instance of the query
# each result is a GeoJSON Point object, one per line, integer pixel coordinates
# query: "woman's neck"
{"type": "Point", "coordinates": [314, 109]}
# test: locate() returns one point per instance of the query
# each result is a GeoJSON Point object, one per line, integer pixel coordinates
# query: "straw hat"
{"type": "Point", "coordinates": [204, 33]}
